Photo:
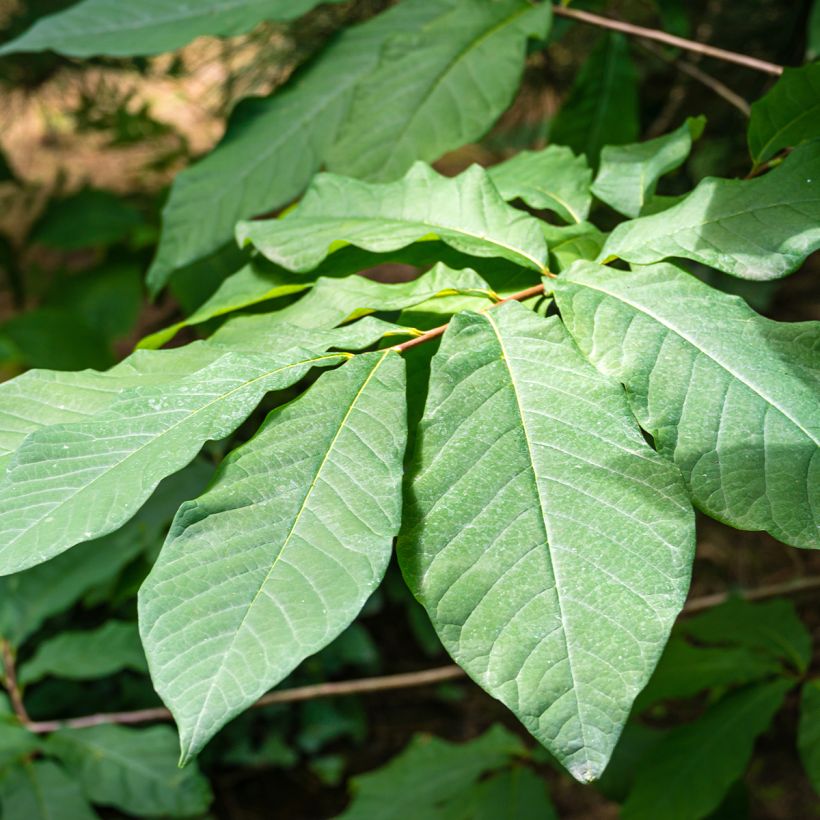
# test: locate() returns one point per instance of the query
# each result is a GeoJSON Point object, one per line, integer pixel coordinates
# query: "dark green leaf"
{"type": "Point", "coordinates": [41, 790]}
{"type": "Point", "coordinates": [549, 544]}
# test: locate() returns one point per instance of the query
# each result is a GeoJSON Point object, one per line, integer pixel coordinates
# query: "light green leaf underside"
{"type": "Point", "coordinates": [134, 770]}
{"type": "Point", "coordinates": [72, 482]}
{"type": "Point", "coordinates": [429, 774]}
{"type": "Point", "coordinates": [109, 27]}
{"type": "Point", "coordinates": [438, 87]}
{"type": "Point", "coordinates": [808, 731]}
{"type": "Point", "coordinates": [787, 115]}
{"type": "Point", "coordinates": [87, 655]}
{"type": "Point", "coordinates": [41, 790]}
{"type": "Point", "coordinates": [274, 145]}
{"type": "Point", "coordinates": [722, 390]}
{"type": "Point", "coordinates": [602, 108]}
{"type": "Point", "coordinates": [629, 173]}
{"type": "Point", "coordinates": [549, 544]}
{"type": "Point", "coordinates": [690, 770]}
{"type": "Point", "coordinates": [553, 179]}
{"type": "Point", "coordinates": [759, 229]}
{"type": "Point", "coordinates": [279, 556]}
{"type": "Point", "coordinates": [466, 212]}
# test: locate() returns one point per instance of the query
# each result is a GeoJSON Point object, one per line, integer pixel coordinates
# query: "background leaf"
{"type": "Point", "coordinates": [808, 731]}
{"type": "Point", "coordinates": [134, 770]}
{"type": "Point", "coordinates": [282, 552]}
{"type": "Point", "coordinates": [758, 229]}
{"type": "Point", "coordinates": [41, 790]}
{"type": "Point", "coordinates": [558, 607]}
{"type": "Point", "coordinates": [602, 107]}
{"type": "Point", "coordinates": [732, 410]}
{"type": "Point", "coordinates": [437, 88]}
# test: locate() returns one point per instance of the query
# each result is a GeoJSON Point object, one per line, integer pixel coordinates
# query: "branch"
{"type": "Point", "coordinates": [669, 39]}
{"type": "Point", "coordinates": [10, 681]}
{"type": "Point", "coordinates": [535, 290]}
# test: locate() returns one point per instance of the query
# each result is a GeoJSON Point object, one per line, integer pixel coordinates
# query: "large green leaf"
{"type": "Point", "coordinates": [629, 173]}
{"type": "Point", "coordinates": [549, 544]}
{"type": "Point", "coordinates": [134, 770]}
{"type": "Point", "coordinates": [274, 145]}
{"type": "Point", "coordinates": [41, 790]}
{"type": "Point", "coordinates": [279, 556]}
{"type": "Point", "coordinates": [72, 482]}
{"type": "Point", "coordinates": [687, 774]}
{"type": "Point", "coordinates": [759, 229]}
{"type": "Point", "coordinates": [602, 108]}
{"type": "Point", "coordinates": [87, 655]}
{"type": "Point", "coordinates": [808, 731]}
{"type": "Point", "coordinates": [108, 27]}
{"type": "Point", "coordinates": [438, 87]}
{"type": "Point", "coordinates": [466, 212]}
{"type": "Point", "coordinates": [788, 115]}
{"type": "Point", "coordinates": [553, 179]}
{"type": "Point", "coordinates": [430, 774]}
{"type": "Point", "coordinates": [733, 410]}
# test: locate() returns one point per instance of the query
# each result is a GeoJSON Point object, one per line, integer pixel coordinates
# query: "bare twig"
{"type": "Point", "coordinates": [535, 290]}
{"type": "Point", "coordinates": [10, 681]}
{"type": "Point", "coordinates": [793, 587]}
{"type": "Point", "coordinates": [669, 39]}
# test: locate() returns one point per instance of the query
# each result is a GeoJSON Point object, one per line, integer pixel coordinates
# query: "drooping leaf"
{"type": "Point", "coordinates": [29, 598]}
{"type": "Point", "coordinates": [553, 179]}
{"type": "Point", "coordinates": [41, 790]}
{"type": "Point", "coordinates": [107, 27]}
{"type": "Point", "coordinates": [77, 481]}
{"type": "Point", "coordinates": [549, 544]}
{"type": "Point", "coordinates": [429, 774]}
{"type": "Point", "coordinates": [770, 627]}
{"type": "Point", "coordinates": [279, 556]}
{"type": "Point", "coordinates": [759, 229]}
{"type": "Point", "coordinates": [134, 770]}
{"type": "Point", "coordinates": [466, 212]}
{"type": "Point", "coordinates": [602, 108]}
{"type": "Point", "coordinates": [788, 115]}
{"type": "Point", "coordinates": [274, 145]}
{"type": "Point", "coordinates": [438, 87]}
{"type": "Point", "coordinates": [689, 772]}
{"type": "Point", "coordinates": [86, 655]}
{"type": "Point", "coordinates": [808, 731]}
{"type": "Point", "coordinates": [629, 173]}
{"type": "Point", "coordinates": [730, 408]}
{"type": "Point", "coordinates": [685, 670]}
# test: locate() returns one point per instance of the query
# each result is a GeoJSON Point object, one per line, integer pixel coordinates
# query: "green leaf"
{"type": "Point", "coordinates": [549, 544]}
{"type": "Point", "coordinates": [570, 242]}
{"type": "Point", "coordinates": [29, 598]}
{"type": "Point", "coordinates": [514, 794]}
{"type": "Point", "coordinates": [787, 115]}
{"type": "Point", "coordinates": [438, 87]}
{"type": "Point", "coordinates": [717, 387]}
{"type": "Point", "coordinates": [73, 482]}
{"type": "Point", "coordinates": [711, 753]}
{"type": "Point", "coordinates": [106, 27]}
{"type": "Point", "coordinates": [87, 655]}
{"type": "Point", "coordinates": [770, 627]}
{"type": "Point", "coordinates": [466, 212]}
{"type": "Point", "coordinates": [553, 179]}
{"type": "Point", "coordinates": [134, 770]}
{"type": "Point", "coordinates": [428, 773]}
{"type": "Point", "coordinates": [759, 229]}
{"type": "Point", "coordinates": [813, 32]}
{"type": "Point", "coordinates": [16, 746]}
{"type": "Point", "coordinates": [274, 146]}
{"type": "Point", "coordinates": [629, 173]}
{"type": "Point", "coordinates": [41, 790]}
{"type": "Point", "coordinates": [808, 731]}
{"type": "Point", "coordinates": [685, 670]}
{"type": "Point", "coordinates": [280, 555]}
{"type": "Point", "coordinates": [602, 108]}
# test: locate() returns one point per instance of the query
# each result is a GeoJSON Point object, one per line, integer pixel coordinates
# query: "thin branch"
{"type": "Point", "coordinates": [669, 39]}
{"type": "Point", "coordinates": [535, 290]}
{"type": "Point", "coordinates": [10, 681]}
{"type": "Point", "coordinates": [793, 587]}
